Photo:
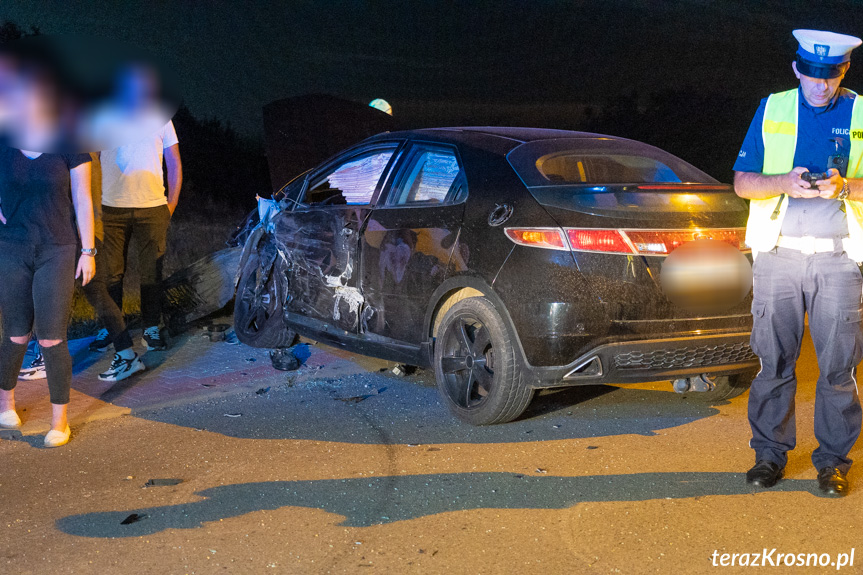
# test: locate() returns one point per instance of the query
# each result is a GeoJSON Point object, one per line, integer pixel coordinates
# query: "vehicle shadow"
{"type": "Point", "coordinates": [375, 409]}
{"type": "Point", "coordinates": [364, 502]}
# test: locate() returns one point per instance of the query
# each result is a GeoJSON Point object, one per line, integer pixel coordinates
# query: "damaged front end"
{"type": "Point", "coordinates": [261, 283]}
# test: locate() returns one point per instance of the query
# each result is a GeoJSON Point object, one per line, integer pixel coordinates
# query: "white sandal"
{"type": "Point", "coordinates": [56, 438]}
{"type": "Point", "coordinates": [9, 419]}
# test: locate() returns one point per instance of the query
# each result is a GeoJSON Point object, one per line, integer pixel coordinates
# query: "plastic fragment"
{"type": "Point", "coordinates": [284, 359]}
{"type": "Point", "coordinates": [162, 482]}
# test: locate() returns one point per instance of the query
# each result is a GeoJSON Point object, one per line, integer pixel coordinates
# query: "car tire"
{"type": "Point", "coordinates": [258, 314]}
{"type": "Point", "coordinates": [477, 372]}
{"type": "Point", "coordinates": [726, 387]}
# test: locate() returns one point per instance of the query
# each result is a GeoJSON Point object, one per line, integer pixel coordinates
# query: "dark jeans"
{"type": "Point", "coordinates": [828, 287]}
{"type": "Point", "coordinates": [38, 283]}
{"type": "Point", "coordinates": [96, 292]}
{"type": "Point", "coordinates": [149, 228]}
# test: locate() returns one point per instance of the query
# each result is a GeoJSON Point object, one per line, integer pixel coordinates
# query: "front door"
{"type": "Point", "coordinates": [319, 239]}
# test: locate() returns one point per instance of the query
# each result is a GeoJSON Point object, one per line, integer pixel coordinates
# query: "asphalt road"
{"type": "Point", "coordinates": [343, 468]}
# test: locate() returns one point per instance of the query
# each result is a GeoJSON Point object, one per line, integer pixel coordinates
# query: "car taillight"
{"type": "Point", "coordinates": [621, 241]}
{"type": "Point", "coordinates": [550, 238]}
{"type": "Point", "coordinates": [613, 241]}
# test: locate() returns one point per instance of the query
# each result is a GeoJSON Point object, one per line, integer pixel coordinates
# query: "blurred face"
{"type": "Point", "coordinates": [819, 91]}
{"type": "Point", "coordinates": [136, 87]}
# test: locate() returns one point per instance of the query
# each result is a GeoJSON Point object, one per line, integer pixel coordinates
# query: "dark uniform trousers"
{"type": "Point", "coordinates": [827, 286]}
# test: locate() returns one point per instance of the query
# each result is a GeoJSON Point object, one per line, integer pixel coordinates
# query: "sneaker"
{"type": "Point", "coordinates": [102, 341]}
{"type": "Point", "coordinates": [153, 338]}
{"type": "Point", "coordinates": [122, 368]}
{"type": "Point", "coordinates": [34, 370]}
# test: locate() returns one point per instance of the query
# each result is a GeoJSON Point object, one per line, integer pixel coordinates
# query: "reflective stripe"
{"type": "Point", "coordinates": [786, 128]}
{"type": "Point", "coordinates": [779, 133]}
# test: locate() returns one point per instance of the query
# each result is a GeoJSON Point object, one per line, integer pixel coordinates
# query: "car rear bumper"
{"type": "Point", "coordinates": [651, 360]}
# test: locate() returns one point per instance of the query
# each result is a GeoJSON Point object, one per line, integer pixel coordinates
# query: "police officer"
{"type": "Point", "coordinates": [806, 240]}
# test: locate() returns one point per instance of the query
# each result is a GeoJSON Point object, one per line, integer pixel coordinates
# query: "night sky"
{"type": "Point", "coordinates": [465, 62]}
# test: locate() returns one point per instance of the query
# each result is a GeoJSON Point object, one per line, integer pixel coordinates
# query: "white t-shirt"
{"type": "Point", "coordinates": [132, 175]}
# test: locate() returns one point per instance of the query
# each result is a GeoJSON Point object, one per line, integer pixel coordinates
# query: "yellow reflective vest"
{"type": "Point", "coordinates": [779, 132]}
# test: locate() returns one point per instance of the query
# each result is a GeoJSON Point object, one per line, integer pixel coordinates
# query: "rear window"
{"type": "Point", "coordinates": [578, 168]}
{"type": "Point", "coordinates": [599, 161]}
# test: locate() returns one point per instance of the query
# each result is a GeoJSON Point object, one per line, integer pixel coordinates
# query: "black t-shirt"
{"type": "Point", "coordinates": [36, 197]}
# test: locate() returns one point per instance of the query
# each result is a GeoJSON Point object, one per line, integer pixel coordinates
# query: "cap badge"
{"type": "Point", "coordinates": [821, 50]}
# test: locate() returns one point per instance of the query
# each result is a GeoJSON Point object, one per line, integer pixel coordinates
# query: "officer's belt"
{"type": "Point", "coordinates": [810, 245]}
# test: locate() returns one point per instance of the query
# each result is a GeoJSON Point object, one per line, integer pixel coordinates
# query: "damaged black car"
{"type": "Point", "coordinates": [508, 260]}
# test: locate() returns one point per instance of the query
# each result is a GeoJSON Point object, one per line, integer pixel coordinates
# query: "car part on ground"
{"type": "Point", "coordinates": [714, 389]}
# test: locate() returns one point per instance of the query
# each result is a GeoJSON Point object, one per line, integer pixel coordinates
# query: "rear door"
{"type": "Point", "coordinates": [320, 238]}
{"type": "Point", "coordinates": [409, 239]}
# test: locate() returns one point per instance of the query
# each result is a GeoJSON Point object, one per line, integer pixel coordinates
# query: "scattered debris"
{"type": "Point", "coordinates": [433, 449]}
{"type": "Point", "coordinates": [207, 384]}
{"type": "Point", "coordinates": [402, 370]}
{"type": "Point", "coordinates": [162, 482]}
{"type": "Point", "coordinates": [284, 359]}
{"type": "Point", "coordinates": [133, 518]}
{"type": "Point", "coordinates": [359, 398]}
{"type": "Point", "coordinates": [556, 426]}
{"type": "Point", "coordinates": [215, 331]}
{"type": "Point", "coordinates": [231, 337]}
{"type": "Point", "coordinates": [233, 414]}
{"type": "Point", "coordinates": [354, 399]}
{"type": "Point", "coordinates": [541, 470]}
{"type": "Point", "coordinates": [593, 447]}
{"type": "Point", "coordinates": [129, 478]}
{"type": "Point", "coordinates": [263, 390]}
{"type": "Point", "coordinates": [251, 359]}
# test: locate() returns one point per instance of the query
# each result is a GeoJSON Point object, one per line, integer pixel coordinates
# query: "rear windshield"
{"type": "Point", "coordinates": [599, 161]}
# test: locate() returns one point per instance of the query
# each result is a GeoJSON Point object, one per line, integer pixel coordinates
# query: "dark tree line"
{"type": "Point", "coordinates": [222, 170]}
{"type": "Point", "coordinates": [704, 129]}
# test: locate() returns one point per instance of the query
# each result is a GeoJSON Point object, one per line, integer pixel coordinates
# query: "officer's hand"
{"type": "Point", "coordinates": [2, 217]}
{"type": "Point", "coordinates": [830, 187]}
{"type": "Point", "coordinates": [797, 188]}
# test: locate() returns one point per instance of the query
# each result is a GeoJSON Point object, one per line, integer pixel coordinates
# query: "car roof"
{"type": "Point", "coordinates": [519, 135]}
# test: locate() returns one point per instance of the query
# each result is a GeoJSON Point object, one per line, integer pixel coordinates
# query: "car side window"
{"type": "Point", "coordinates": [350, 182]}
{"type": "Point", "coordinates": [430, 175]}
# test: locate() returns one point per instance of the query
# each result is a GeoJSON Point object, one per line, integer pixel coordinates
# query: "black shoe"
{"type": "Point", "coordinates": [102, 341]}
{"type": "Point", "coordinates": [153, 337]}
{"type": "Point", "coordinates": [765, 474]}
{"type": "Point", "coordinates": [832, 481]}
